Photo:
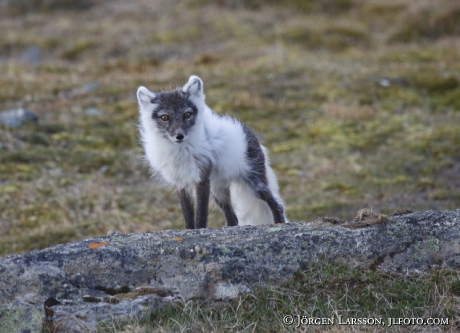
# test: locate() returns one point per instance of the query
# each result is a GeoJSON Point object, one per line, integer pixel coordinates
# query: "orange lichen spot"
{"type": "Point", "coordinates": [179, 239]}
{"type": "Point", "coordinates": [97, 245]}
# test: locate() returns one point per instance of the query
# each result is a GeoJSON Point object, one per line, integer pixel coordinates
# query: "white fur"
{"type": "Point", "coordinates": [215, 138]}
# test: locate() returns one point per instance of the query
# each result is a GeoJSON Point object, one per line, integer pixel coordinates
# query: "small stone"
{"type": "Point", "coordinates": [385, 82]}
{"type": "Point", "coordinates": [30, 298]}
{"type": "Point", "coordinates": [197, 249]}
{"type": "Point", "coordinates": [111, 300]}
{"type": "Point", "coordinates": [15, 118]}
{"type": "Point", "coordinates": [80, 91]}
{"type": "Point", "coordinates": [103, 169]}
{"type": "Point", "coordinates": [93, 112]}
{"type": "Point", "coordinates": [90, 86]}
{"type": "Point", "coordinates": [83, 314]}
{"type": "Point", "coordinates": [32, 55]}
{"type": "Point", "coordinates": [112, 232]}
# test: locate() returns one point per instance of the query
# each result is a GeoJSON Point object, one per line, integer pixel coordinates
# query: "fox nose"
{"type": "Point", "coordinates": [179, 137]}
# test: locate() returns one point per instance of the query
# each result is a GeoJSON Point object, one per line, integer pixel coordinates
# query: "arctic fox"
{"type": "Point", "coordinates": [199, 152]}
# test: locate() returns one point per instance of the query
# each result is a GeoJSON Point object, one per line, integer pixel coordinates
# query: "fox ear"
{"type": "Point", "coordinates": [144, 96]}
{"type": "Point", "coordinates": [194, 86]}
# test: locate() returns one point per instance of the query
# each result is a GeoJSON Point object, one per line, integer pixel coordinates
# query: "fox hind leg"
{"type": "Point", "coordinates": [277, 209]}
{"type": "Point", "coordinates": [223, 200]}
{"type": "Point", "coordinates": [259, 175]}
{"type": "Point", "coordinates": [259, 184]}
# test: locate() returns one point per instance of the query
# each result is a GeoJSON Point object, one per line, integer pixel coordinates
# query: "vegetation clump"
{"type": "Point", "coordinates": [429, 21]}
{"type": "Point", "coordinates": [337, 293]}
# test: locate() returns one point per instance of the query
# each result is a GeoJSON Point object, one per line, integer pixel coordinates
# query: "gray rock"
{"type": "Point", "coordinates": [93, 112]}
{"type": "Point", "coordinates": [80, 91]}
{"type": "Point", "coordinates": [130, 274]}
{"type": "Point", "coordinates": [16, 117]}
{"type": "Point", "coordinates": [32, 55]}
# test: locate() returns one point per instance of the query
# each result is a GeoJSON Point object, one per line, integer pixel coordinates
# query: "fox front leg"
{"type": "Point", "coordinates": [203, 189]}
{"type": "Point", "coordinates": [186, 203]}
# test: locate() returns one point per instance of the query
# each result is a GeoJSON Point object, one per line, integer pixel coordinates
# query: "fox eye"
{"type": "Point", "coordinates": [164, 117]}
{"type": "Point", "coordinates": [187, 115]}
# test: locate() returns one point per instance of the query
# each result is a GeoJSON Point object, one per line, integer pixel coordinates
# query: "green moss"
{"type": "Point", "coordinates": [394, 180]}
{"type": "Point", "coordinates": [176, 36]}
{"type": "Point", "coordinates": [52, 43]}
{"type": "Point", "coordinates": [87, 161]}
{"type": "Point", "coordinates": [435, 83]}
{"type": "Point", "coordinates": [449, 100]}
{"type": "Point", "coordinates": [40, 240]}
{"type": "Point", "coordinates": [317, 292]}
{"type": "Point", "coordinates": [9, 188]}
{"type": "Point", "coordinates": [440, 195]}
{"type": "Point", "coordinates": [23, 156]}
{"type": "Point", "coordinates": [440, 140]}
{"type": "Point", "coordinates": [324, 6]}
{"type": "Point", "coordinates": [335, 37]}
{"type": "Point", "coordinates": [429, 23]}
{"type": "Point", "coordinates": [288, 146]}
{"type": "Point", "coordinates": [355, 135]}
{"type": "Point", "coordinates": [312, 211]}
{"type": "Point", "coordinates": [455, 287]}
{"type": "Point", "coordinates": [406, 34]}
{"type": "Point", "coordinates": [311, 6]}
{"type": "Point", "coordinates": [382, 11]}
{"type": "Point", "coordinates": [341, 187]}
{"type": "Point", "coordinates": [26, 6]}
{"type": "Point", "coordinates": [77, 49]}
{"type": "Point", "coordinates": [22, 319]}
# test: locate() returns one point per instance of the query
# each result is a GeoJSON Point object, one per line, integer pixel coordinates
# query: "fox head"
{"type": "Point", "coordinates": [172, 113]}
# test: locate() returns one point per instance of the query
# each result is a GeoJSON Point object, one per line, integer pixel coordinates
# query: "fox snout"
{"type": "Point", "coordinates": [178, 136]}
{"type": "Point", "coordinates": [175, 132]}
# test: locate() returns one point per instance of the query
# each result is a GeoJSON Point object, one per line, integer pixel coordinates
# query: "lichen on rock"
{"type": "Point", "coordinates": [125, 275]}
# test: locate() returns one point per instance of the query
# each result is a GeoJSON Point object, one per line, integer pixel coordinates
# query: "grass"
{"type": "Point", "coordinates": [357, 102]}
{"type": "Point", "coordinates": [338, 293]}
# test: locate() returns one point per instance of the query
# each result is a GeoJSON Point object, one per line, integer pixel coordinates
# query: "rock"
{"type": "Point", "coordinates": [83, 90]}
{"type": "Point", "coordinates": [32, 55]}
{"type": "Point", "coordinates": [101, 278]}
{"type": "Point", "coordinates": [93, 112]}
{"type": "Point", "coordinates": [388, 81]}
{"type": "Point", "coordinates": [15, 118]}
